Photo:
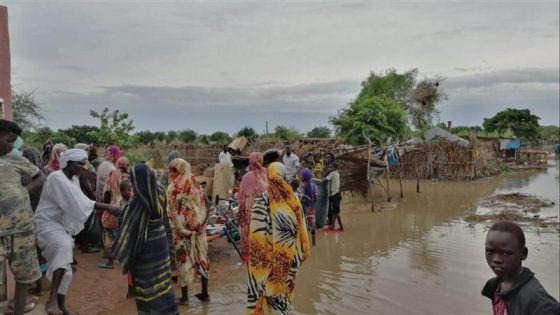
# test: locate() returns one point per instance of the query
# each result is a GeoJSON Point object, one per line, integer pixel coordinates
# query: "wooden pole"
{"type": "Point", "coordinates": [372, 203]}
{"type": "Point", "coordinates": [473, 160]}
{"type": "Point", "coordinates": [388, 191]}
{"type": "Point", "coordinates": [400, 181]}
{"type": "Point", "coordinates": [387, 181]}
{"type": "Point", "coordinates": [417, 180]}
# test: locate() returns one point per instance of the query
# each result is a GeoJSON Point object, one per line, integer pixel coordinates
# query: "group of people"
{"type": "Point", "coordinates": [153, 231]}
{"type": "Point", "coordinates": [274, 236]}
{"type": "Point", "coordinates": [157, 233]}
{"type": "Point", "coordinates": [156, 229]}
{"type": "Point", "coordinates": [316, 168]}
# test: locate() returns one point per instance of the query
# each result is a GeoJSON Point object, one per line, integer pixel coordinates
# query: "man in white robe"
{"type": "Point", "coordinates": [60, 215]}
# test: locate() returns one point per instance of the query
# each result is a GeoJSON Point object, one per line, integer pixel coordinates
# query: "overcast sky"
{"type": "Point", "coordinates": [212, 65]}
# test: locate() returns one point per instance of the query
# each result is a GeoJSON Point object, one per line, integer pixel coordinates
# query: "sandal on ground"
{"type": "Point", "coordinates": [105, 265]}
{"type": "Point", "coordinates": [28, 308]}
{"type": "Point", "coordinates": [90, 250]}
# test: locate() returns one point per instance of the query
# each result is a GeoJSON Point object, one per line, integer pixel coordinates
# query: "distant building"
{"type": "Point", "coordinates": [5, 67]}
{"type": "Point", "coordinates": [510, 148]}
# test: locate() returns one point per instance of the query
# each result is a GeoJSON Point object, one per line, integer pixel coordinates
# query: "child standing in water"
{"type": "Point", "coordinates": [515, 290]}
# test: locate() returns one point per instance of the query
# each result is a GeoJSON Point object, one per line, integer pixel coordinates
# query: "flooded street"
{"type": "Point", "coordinates": [418, 258]}
{"type": "Point", "coordinates": [421, 258]}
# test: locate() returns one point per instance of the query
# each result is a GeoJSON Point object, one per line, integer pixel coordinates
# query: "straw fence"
{"type": "Point", "coordinates": [447, 160]}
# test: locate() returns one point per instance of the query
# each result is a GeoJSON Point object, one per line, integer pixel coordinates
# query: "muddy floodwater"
{"type": "Point", "coordinates": [415, 256]}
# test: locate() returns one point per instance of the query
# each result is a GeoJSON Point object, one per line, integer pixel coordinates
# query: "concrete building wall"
{"type": "Point", "coordinates": [5, 66]}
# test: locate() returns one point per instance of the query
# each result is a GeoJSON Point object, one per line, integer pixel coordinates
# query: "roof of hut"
{"type": "Point", "coordinates": [437, 134]}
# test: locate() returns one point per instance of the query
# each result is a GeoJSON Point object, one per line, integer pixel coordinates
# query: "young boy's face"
{"type": "Point", "coordinates": [7, 140]}
{"type": "Point", "coordinates": [126, 192]}
{"type": "Point", "coordinates": [504, 254]}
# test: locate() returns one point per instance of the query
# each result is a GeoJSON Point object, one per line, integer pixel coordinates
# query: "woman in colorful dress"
{"type": "Point", "coordinates": [188, 216]}
{"type": "Point", "coordinates": [112, 154]}
{"type": "Point", "coordinates": [112, 195]}
{"type": "Point", "coordinates": [141, 245]}
{"type": "Point", "coordinates": [279, 244]}
{"type": "Point", "coordinates": [253, 183]}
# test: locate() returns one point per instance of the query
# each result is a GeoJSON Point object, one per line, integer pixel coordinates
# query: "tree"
{"type": "Point", "coordinates": [319, 132]}
{"type": "Point", "coordinates": [377, 117]}
{"type": "Point", "coordinates": [202, 139]}
{"type": "Point", "coordinates": [60, 137]}
{"type": "Point", "coordinates": [82, 134]}
{"type": "Point", "coordinates": [422, 101]}
{"type": "Point", "coordinates": [220, 137]}
{"type": "Point", "coordinates": [43, 134]}
{"type": "Point", "coordinates": [549, 134]}
{"type": "Point", "coordinates": [145, 137]}
{"type": "Point", "coordinates": [188, 136]}
{"type": "Point", "coordinates": [465, 130]}
{"type": "Point", "coordinates": [26, 110]}
{"type": "Point", "coordinates": [390, 84]}
{"type": "Point", "coordinates": [248, 133]}
{"type": "Point", "coordinates": [160, 136]}
{"type": "Point", "coordinates": [38, 138]}
{"type": "Point", "coordinates": [417, 99]}
{"type": "Point", "coordinates": [114, 128]}
{"type": "Point", "coordinates": [522, 123]}
{"type": "Point", "coordinates": [171, 136]}
{"type": "Point", "coordinates": [286, 134]}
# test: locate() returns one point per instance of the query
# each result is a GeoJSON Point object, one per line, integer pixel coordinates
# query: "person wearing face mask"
{"type": "Point", "coordinates": [17, 147]}
{"type": "Point", "coordinates": [17, 242]}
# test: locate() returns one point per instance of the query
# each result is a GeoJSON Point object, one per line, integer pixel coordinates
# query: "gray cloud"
{"type": "Point", "coordinates": [513, 76]}
{"type": "Point", "coordinates": [190, 105]}
{"type": "Point", "coordinates": [75, 69]}
{"type": "Point", "coordinates": [475, 97]}
{"type": "Point", "coordinates": [304, 97]}
{"type": "Point", "coordinates": [221, 65]}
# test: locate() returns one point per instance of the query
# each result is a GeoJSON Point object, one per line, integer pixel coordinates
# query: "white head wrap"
{"type": "Point", "coordinates": [75, 155]}
{"type": "Point", "coordinates": [82, 146]}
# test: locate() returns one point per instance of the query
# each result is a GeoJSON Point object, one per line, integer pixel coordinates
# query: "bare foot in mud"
{"type": "Point", "coordinates": [53, 309]}
{"type": "Point", "coordinates": [67, 312]}
{"type": "Point", "coordinates": [203, 297]}
{"type": "Point", "coordinates": [183, 301]}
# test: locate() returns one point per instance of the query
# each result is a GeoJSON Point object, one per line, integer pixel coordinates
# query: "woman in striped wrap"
{"type": "Point", "coordinates": [279, 244]}
{"type": "Point", "coordinates": [141, 245]}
